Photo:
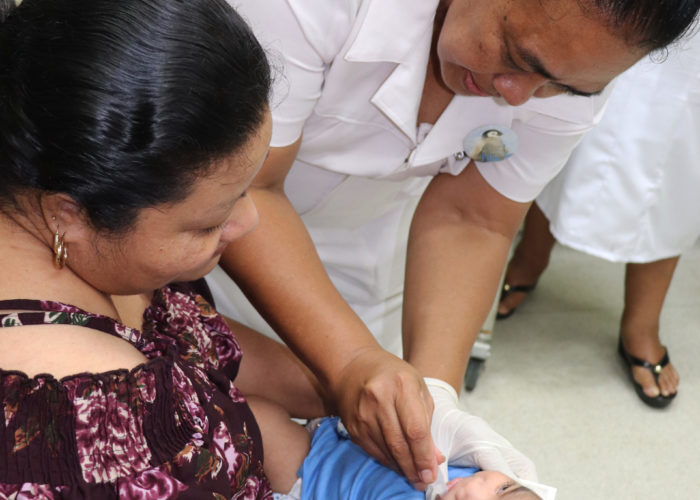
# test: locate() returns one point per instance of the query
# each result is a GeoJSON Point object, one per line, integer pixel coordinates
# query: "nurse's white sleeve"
{"type": "Point", "coordinates": [301, 40]}
{"type": "Point", "coordinates": [547, 133]}
{"type": "Point", "coordinates": [539, 158]}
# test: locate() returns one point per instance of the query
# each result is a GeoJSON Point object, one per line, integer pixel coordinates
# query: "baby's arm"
{"type": "Point", "coordinates": [285, 443]}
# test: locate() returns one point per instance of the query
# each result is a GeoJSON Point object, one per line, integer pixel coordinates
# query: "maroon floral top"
{"type": "Point", "coordinates": [174, 427]}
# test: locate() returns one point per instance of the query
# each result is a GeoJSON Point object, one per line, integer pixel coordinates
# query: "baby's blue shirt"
{"type": "Point", "coordinates": [338, 469]}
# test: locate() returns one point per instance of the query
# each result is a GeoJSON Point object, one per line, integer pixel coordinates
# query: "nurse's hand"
{"type": "Point", "coordinates": [386, 408]}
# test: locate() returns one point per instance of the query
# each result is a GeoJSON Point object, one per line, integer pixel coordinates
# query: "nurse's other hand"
{"type": "Point", "coordinates": [386, 408]}
{"type": "Point", "coordinates": [469, 441]}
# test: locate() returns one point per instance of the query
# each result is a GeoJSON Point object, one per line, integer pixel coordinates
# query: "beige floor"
{"type": "Point", "coordinates": [555, 387]}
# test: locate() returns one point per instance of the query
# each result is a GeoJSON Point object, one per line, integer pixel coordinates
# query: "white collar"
{"type": "Point", "coordinates": [376, 40]}
{"type": "Point", "coordinates": [400, 32]}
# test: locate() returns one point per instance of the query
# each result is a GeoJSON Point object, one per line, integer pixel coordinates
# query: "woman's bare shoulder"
{"type": "Point", "coordinates": [62, 350]}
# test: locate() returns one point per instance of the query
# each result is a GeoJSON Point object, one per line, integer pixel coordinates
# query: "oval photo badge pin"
{"type": "Point", "coordinates": [490, 143]}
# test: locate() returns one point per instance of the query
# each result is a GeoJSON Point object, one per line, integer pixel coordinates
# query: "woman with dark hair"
{"type": "Point", "coordinates": [378, 102]}
{"type": "Point", "coordinates": [130, 131]}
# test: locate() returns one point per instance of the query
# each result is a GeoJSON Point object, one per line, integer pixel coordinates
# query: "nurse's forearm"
{"type": "Point", "coordinates": [452, 275]}
{"type": "Point", "coordinates": [277, 267]}
{"type": "Point", "coordinates": [458, 244]}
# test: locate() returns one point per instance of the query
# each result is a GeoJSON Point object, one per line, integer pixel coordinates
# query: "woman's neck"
{"type": "Point", "coordinates": [28, 272]}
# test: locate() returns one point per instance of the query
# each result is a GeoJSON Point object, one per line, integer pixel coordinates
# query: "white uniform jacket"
{"type": "Point", "coordinates": [351, 79]}
{"type": "Point", "coordinates": [630, 190]}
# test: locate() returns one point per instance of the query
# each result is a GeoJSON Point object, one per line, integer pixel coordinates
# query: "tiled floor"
{"type": "Point", "coordinates": [555, 387]}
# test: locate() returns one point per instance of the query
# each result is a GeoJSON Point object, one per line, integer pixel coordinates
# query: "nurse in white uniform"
{"type": "Point", "coordinates": [376, 101]}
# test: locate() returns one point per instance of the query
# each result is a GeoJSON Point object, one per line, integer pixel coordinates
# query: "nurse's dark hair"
{"type": "Point", "coordinates": [649, 24]}
{"type": "Point", "coordinates": [122, 104]}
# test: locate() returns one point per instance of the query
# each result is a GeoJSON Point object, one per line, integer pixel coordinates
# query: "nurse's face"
{"type": "Point", "coordinates": [517, 49]}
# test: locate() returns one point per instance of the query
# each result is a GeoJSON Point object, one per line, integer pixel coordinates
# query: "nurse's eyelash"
{"type": "Point", "coordinates": [574, 92]}
{"type": "Point", "coordinates": [508, 60]}
{"type": "Point", "coordinates": [511, 63]}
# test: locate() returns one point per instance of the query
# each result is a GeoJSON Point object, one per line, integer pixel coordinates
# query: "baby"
{"type": "Point", "coordinates": [332, 467]}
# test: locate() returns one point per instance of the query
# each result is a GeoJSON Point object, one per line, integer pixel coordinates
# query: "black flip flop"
{"type": "Point", "coordinates": [507, 290]}
{"type": "Point", "coordinates": [659, 401]}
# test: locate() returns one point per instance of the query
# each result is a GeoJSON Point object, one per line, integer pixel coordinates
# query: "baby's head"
{"type": "Point", "coordinates": [490, 485]}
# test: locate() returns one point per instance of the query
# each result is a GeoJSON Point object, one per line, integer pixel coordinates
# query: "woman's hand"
{"type": "Point", "coordinates": [386, 408]}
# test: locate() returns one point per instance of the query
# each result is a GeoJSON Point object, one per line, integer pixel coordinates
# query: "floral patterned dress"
{"type": "Point", "coordinates": [173, 427]}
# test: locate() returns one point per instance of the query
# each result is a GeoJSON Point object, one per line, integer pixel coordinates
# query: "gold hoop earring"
{"type": "Point", "coordinates": [60, 250]}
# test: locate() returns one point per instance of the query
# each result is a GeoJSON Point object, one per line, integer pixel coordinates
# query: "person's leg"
{"type": "Point", "coordinates": [645, 290]}
{"type": "Point", "coordinates": [285, 443]}
{"type": "Point", "coordinates": [529, 260]}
